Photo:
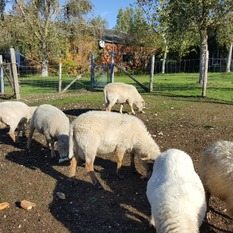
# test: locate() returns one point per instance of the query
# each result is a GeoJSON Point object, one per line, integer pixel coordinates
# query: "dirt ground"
{"type": "Point", "coordinates": [122, 206]}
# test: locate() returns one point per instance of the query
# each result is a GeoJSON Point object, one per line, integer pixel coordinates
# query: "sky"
{"type": "Point", "coordinates": [108, 9]}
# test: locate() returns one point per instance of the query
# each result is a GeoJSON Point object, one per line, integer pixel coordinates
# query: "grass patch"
{"type": "Point", "coordinates": [184, 86]}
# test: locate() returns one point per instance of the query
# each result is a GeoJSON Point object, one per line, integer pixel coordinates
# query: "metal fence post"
{"type": "Point", "coordinates": [92, 71]}
{"type": "Point", "coordinates": [112, 68]}
{"type": "Point", "coordinates": [152, 72]}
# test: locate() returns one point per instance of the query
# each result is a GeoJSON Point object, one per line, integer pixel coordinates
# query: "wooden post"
{"type": "Point", "coordinates": [60, 76]}
{"type": "Point", "coordinates": [1, 76]}
{"type": "Point", "coordinates": [112, 68]}
{"type": "Point", "coordinates": [152, 70]}
{"type": "Point", "coordinates": [15, 74]}
{"type": "Point", "coordinates": [205, 74]}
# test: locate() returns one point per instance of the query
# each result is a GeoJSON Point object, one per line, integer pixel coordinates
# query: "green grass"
{"type": "Point", "coordinates": [183, 86]}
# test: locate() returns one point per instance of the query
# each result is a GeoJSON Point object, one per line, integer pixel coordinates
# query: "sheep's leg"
{"type": "Point", "coordinates": [148, 173]}
{"type": "Point", "coordinates": [24, 130]}
{"type": "Point", "coordinates": [53, 155]}
{"type": "Point", "coordinates": [21, 127]}
{"type": "Point", "coordinates": [32, 129]}
{"type": "Point", "coordinates": [152, 222]}
{"type": "Point", "coordinates": [208, 214]}
{"type": "Point", "coordinates": [90, 170]}
{"type": "Point", "coordinates": [108, 108]}
{"type": "Point", "coordinates": [73, 167]}
{"type": "Point", "coordinates": [121, 108]}
{"type": "Point", "coordinates": [132, 163]}
{"type": "Point", "coordinates": [12, 133]}
{"type": "Point", "coordinates": [131, 107]}
{"type": "Point", "coordinates": [119, 155]}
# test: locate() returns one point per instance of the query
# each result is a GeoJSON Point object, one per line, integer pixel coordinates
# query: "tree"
{"type": "Point", "coordinates": [191, 16]}
{"type": "Point", "coordinates": [42, 27]}
{"type": "Point", "coordinates": [38, 16]}
{"type": "Point", "coordinates": [225, 37]}
{"type": "Point", "coordinates": [132, 21]}
{"type": "Point", "coordinates": [2, 7]}
{"type": "Point", "coordinates": [99, 25]}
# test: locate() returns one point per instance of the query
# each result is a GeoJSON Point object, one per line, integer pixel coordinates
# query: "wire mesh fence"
{"type": "Point", "coordinates": [31, 82]}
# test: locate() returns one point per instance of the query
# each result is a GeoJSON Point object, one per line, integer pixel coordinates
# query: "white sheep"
{"type": "Point", "coordinates": [15, 114]}
{"type": "Point", "coordinates": [101, 132]}
{"type": "Point", "coordinates": [54, 124]}
{"type": "Point", "coordinates": [120, 93]}
{"type": "Point", "coordinates": [216, 172]}
{"type": "Point", "coordinates": [176, 194]}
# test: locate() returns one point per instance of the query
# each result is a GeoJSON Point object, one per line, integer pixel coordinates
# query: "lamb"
{"type": "Point", "coordinates": [216, 172]}
{"type": "Point", "coordinates": [101, 132]}
{"type": "Point", "coordinates": [15, 114]}
{"type": "Point", "coordinates": [120, 93]}
{"type": "Point", "coordinates": [54, 124]}
{"type": "Point", "coordinates": [176, 194]}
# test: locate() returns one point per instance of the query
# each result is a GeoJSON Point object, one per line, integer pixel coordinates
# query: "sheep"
{"type": "Point", "coordinates": [15, 114]}
{"type": "Point", "coordinates": [176, 194]}
{"type": "Point", "coordinates": [216, 172]}
{"type": "Point", "coordinates": [54, 124]}
{"type": "Point", "coordinates": [101, 132]}
{"type": "Point", "coordinates": [120, 93]}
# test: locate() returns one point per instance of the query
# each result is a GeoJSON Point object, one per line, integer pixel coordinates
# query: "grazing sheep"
{"type": "Point", "coordinates": [54, 124]}
{"type": "Point", "coordinates": [176, 194]}
{"type": "Point", "coordinates": [100, 132]}
{"type": "Point", "coordinates": [216, 172]}
{"type": "Point", "coordinates": [15, 114]}
{"type": "Point", "coordinates": [120, 93]}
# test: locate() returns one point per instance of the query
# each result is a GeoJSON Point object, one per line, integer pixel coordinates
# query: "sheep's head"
{"type": "Point", "coordinates": [63, 146]}
{"type": "Point", "coordinates": [140, 105]}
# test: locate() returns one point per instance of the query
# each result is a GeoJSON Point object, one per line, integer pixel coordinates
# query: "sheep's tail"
{"type": "Point", "coordinates": [71, 142]}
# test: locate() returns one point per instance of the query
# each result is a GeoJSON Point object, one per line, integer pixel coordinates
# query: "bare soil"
{"type": "Point", "coordinates": [122, 206]}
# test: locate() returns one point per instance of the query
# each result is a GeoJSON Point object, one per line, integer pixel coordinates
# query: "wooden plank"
{"type": "Point", "coordinates": [74, 80]}
{"type": "Point", "coordinates": [15, 74]}
{"type": "Point", "coordinates": [132, 77]}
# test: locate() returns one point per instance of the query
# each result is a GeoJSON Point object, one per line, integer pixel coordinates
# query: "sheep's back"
{"type": "Point", "coordinates": [50, 118]}
{"type": "Point", "coordinates": [107, 127]}
{"type": "Point", "coordinates": [11, 112]}
{"type": "Point", "coordinates": [177, 188]}
{"type": "Point", "coordinates": [216, 168]}
{"type": "Point", "coordinates": [123, 92]}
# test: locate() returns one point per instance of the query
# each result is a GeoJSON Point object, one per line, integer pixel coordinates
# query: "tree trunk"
{"type": "Point", "coordinates": [164, 60]}
{"type": "Point", "coordinates": [165, 54]}
{"type": "Point", "coordinates": [229, 57]}
{"type": "Point", "coordinates": [44, 71]}
{"type": "Point", "coordinates": [45, 62]}
{"type": "Point", "coordinates": [203, 50]}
